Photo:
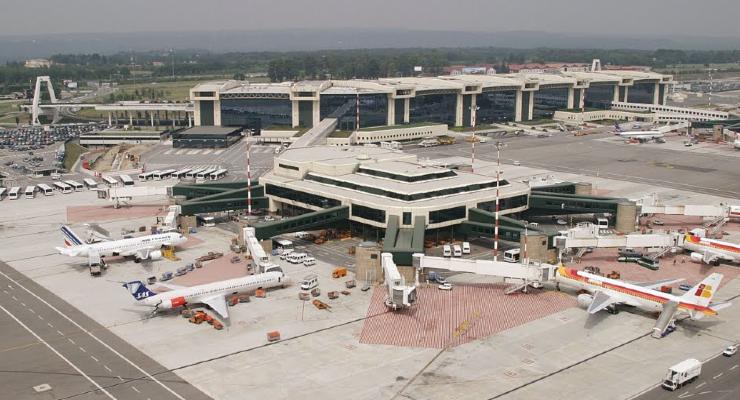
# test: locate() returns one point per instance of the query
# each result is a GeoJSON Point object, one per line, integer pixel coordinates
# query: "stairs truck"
{"type": "Point", "coordinates": [682, 373]}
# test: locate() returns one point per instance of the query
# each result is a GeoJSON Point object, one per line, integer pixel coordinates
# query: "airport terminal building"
{"type": "Point", "coordinates": [455, 100]}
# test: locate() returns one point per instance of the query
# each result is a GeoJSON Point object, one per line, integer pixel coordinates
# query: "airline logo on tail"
{"type": "Point", "coordinates": [70, 238]}
{"type": "Point", "coordinates": [138, 290]}
{"type": "Point", "coordinates": [704, 291]}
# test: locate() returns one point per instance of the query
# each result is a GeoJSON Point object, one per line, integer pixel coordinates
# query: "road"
{"type": "Point", "coordinates": [719, 380]}
{"type": "Point", "coordinates": [694, 171]}
{"type": "Point", "coordinates": [51, 349]}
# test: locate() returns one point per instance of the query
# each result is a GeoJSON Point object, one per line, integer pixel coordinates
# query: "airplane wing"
{"type": "Point", "coordinates": [170, 286]}
{"type": "Point", "coordinates": [218, 304]}
{"type": "Point", "coordinates": [658, 284]}
{"type": "Point", "coordinates": [601, 301]}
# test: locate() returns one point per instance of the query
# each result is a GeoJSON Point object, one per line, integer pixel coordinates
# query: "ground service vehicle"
{"type": "Point", "coordinates": [46, 189]}
{"type": "Point", "coordinates": [447, 251]}
{"type": "Point", "coordinates": [309, 261]}
{"type": "Point", "coordinates": [14, 193]}
{"type": "Point", "coordinates": [512, 255]}
{"type": "Point", "coordinates": [466, 248]}
{"type": "Point", "coordinates": [339, 272]}
{"type": "Point", "coordinates": [680, 374]}
{"type": "Point", "coordinates": [30, 192]}
{"type": "Point", "coordinates": [309, 282]}
{"type": "Point", "coordinates": [457, 250]}
{"type": "Point", "coordinates": [63, 187]}
{"type": "Point", "coordinates": [730, 350]}
{"type": "Point", "coordinates": [127, 180]}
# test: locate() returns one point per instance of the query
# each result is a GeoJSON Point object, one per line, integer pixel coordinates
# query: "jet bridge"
{"type": "Point", "coordinates": [586, 234]}
{"type": "Point", "coordinates": [400, 295]}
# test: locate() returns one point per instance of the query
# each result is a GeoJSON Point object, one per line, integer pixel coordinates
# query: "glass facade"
{"type": "Point", "coordinates": [433, 108]}
{"type": "Point", "coordinates": [406, 178]}
{"type": "Point", "coordinates": [372, 214]}
{"type": "Point", "coordinates": [641, 92]}
{"type": "Point", "coordinates": [206, 112]}
{"type": "Point", "coordinates": [400, 106]}
{"type": "Point", "coordinates": [448, 214]}
{"type": "Point", "coordinates": [373, 110]}
{"type": "Point", "coordinates": [403, 196]}
{"type": "Point", "coordinates": [598, 96]}
{"type": "Point", "coordinates": [504, 203]}
{"type": "Point", "coordinates": [252, 113]}
{"type": "Point", "coordinates": [549, 100]}
{"type": "Point", "coordinates": [496, 106]}
{"type": "Point", "coordinates": [340, 106]}
{"type": "Point", "coordinates": [406, 218]}
{"type": "Point", "coordinates": [302, 197]}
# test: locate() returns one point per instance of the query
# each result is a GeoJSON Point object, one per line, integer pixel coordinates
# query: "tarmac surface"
{"type": "Point", "coordinates": [52, 350]}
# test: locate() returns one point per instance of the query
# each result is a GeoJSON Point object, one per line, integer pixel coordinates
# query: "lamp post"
{"type": "Point", "coordinates": [474, 114]}
{"type": "Point", "coordinates": [499, 146]}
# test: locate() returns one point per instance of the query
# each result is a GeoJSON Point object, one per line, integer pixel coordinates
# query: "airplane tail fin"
{"type": "Point", "coordinates": [70, 238]}
{"type": "Point", "coordinates": [703, 292]}
{"type": "Point", "coordinates": [138, 290]}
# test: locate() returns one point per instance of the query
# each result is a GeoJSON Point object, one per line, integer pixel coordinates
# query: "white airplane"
{"type": "Point", "coordinates": [710, 251]}
{"type": "Point", "coordinates": [141, 248]}
{"type": "Point", "coordinates": [641, 135]}
{"type": "Point", "coordinates": [607, 293]}
{"type": "Point", "coordinates": [212, 294]}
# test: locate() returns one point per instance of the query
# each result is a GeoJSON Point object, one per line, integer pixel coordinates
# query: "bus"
{"type": "Point", "coordinates": [2, 193]}
{"type": "Point", "coordinates": [110, 181]}
{"type": "Point", "coordinates": [63, 187]}
{"type": "Point", "coordinates": [77, 186]}
{"type": "Point", "coordinates": [127, 181]}
{"type": "Point", "coordinates": [90, 183]}
{"type": "Point", "coordinates": [147, 176]}
{"type": "Point", "coordinates": [205, 173]}
{"type": "Point", "coordinates": [181, 173]}
{"type": "Point", "coordinates": [30, 192]}
{"type": "Point", "coordinates": [218, 174]}
{"type": "Point", "coordinates": [193, 172]}
{"type": "Point", "coordinates": [159, 175]}
{"type": "Point", "coordinates": [46, 189]}
{"type": "Point", "coordinates": [14, 193]}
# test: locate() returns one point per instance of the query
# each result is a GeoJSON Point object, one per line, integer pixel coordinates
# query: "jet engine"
{"type": "Point", "coordinates": [155, 255]}
{"type": "Point", "coordinates": [584, 300]}
{"type": "Point", "coordinates": [697, 257]}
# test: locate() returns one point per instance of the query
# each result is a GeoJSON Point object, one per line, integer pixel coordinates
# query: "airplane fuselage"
{"type": "Point", "coordinates": [131, 245]}
{"type": "Point", "coordinates": [724, 250]}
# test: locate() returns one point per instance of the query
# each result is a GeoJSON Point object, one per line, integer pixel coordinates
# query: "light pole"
{"type": "Point", "coordinates": [249, 174]}
{"type": "Point", "coordinates": [499, 146]}
{"type": "Point", "coordinates": [474, 114]}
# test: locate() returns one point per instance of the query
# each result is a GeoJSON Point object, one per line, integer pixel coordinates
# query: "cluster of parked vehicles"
{"type": "Point", "coordinates": [456, 250]}
{"type": "Point", "coordinates": [34, 138]}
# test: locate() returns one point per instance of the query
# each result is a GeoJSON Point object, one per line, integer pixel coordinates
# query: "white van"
{"type": "Point", "coordinates": [466, 248]}
{"type": "Point", "coordinates": [296, 258]}
{"type": "Point", "coordinates": [512, 255]}
{"type": "Point", "coordinates": [447, 251]}
{"type": "Point", "coordinates": [286, 252]}
{"type": "Point", "coordinates": [309, 282]}
{"type": "Point", "coordinates": [457, 250]}
{"type": "Point", "coordinates": [309, 261]}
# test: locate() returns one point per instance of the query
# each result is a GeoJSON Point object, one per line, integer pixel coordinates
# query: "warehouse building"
{"type": "Point", "coordinates": [206, 137]}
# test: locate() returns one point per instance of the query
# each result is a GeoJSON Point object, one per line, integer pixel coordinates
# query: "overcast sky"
{"type": "Point", "coordinates": [628, 17]}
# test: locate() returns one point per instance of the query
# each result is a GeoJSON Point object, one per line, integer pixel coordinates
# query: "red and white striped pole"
{"type": "Point", "coordinates": [472, 152]}
{"type": "Point", "coordinates": [249, 173]}
{"type": "Point", "coordinates": [357, 113]}
{"type": "Point", "coordinates": [498, 209]}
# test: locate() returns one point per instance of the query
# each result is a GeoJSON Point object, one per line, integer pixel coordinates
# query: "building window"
{"type": "Point", "coordinates": [373, 256]}
{"type": "Point", "coordinates": [407, 218]}
{"type": "Point", "coordinates": [372, 214]}
{"type": "Point", "coordinates": [301, 197]}
{"type": "Point", "coordinates": [447, 214]}
{"type": "Point", "coordinates": [286, 166]}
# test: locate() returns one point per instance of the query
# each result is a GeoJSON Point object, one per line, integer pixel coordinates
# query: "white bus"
{"type": "Point", "coordinates": [63, 187]}
{"type": "Point", "coordinates": [127, 181]}
{"type": "Point", "coordinates": [193, 172]}
{"type": "Point", "coordinates": [205, 173]}
{"type": "Point", "coordinates": [218, 174]}
{"type": "Point", "coordinates": [110, 181]}
{"type": "Point", "coordinates": [90, 183]}
{"type": "Point", "coordinates": [181, 173]}
{"type": "Point", "coordinates": [159, 175]}
{"type": "Point", "coordinates": [147, 176]}
{"type": "Point", "coordinates": [2, 193]}
{"type": "Point", "coordinates": [14, 193]}
{"type": "Point", "coordinates": [77, 186]}
{"type": "Point", "coordinates": [46, 189]}
{"type": "Point", "coordinates": [30, 192]}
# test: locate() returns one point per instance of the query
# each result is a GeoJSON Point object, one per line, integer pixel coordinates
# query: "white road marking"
{"type": "Point", "coordinates": [148, 375]}
{"type": "Point", "coordinates": [119, 378]}
{"type": "Point", "coordinates": [705, 392]}
{"type": "Point", "coordinates": [733, 367]}
{"type": "Point", "coordinates": [217, 152]}
{"type": "Point", "coordinates": [106, 367]}
{"type": "Point", "coordinates": [700, 385]}
{"type": "Point", "coordinates": [207, 151]}
{"type": "Point", "coordinates": [5, 291]}
{"type": "Point", "coordinates": [82, 350]}
{"type": "Point", "coordinates": [685, 395]}
{"type": "Point", "coordinates": [31, 310]}
{"type": "Point", "coordinates": [23, 304]}
{"type": "Point", "coordinates": [93, 357]}
{"type": "Point", "coordinates": [71, 341]}
{"type": "Point", "coordinates": [169, 151]}
{"type": "Point", "coordinates": [718, 375]}
{"type": "Point", "coordinates": [58, 353]}
{"type": "Point", "coordinates": [50, 325]}
{"type": "Point", "coordinates": [40, 317]}
{"type": "Point", "coordinates": [135, 389]}
{"type": "Point", "coordinates": [180, 152]}
{"type": "Point", "coordinates": [60, 332]}
{"type": "Point", "coordinates": [14, 298]}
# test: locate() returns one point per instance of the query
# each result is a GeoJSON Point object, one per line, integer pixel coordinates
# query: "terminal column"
{"type": "Point", "coordinates": [130, 118]}
{"type": "Point", "coordinates": [530, 110]}
{"type": "Point", "coordinates": [473, 109]}
{"type": "Point", "coordinates": [615, 98]}
{"type": "Point", "coordinates": [459, 110]}
{"type": "Point", "coordinates": [581, 102]}
{"type": "Point", "coordinates": [626, 93]}
{"type": "Point", "coordinates": [656, 94]}
{"type": "Point", "coordinates": [151, 117]}
{"type": "Point", "coordinates": [391, 116]}
{"type": "Point", "coordinates": [571, 95]}
{"type": "Point", "coordinates": [110, 119]}
{"type": "Point", "coordinates": [295, 119]}
{"type": "Point", "coordinates": [518, 106]}
{"type": "Point", "coordinates": [406, 110]}
{"type": "Point", "coordinates": [316, 113]}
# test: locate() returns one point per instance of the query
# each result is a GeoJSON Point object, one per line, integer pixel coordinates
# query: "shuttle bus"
{"type": "Point", "coordinates": [46, 189]}
{"type": "Point", "coordinates": [110, 181]}
{"type": "Point", "coordinates": [90, 183]}
{"type": "Point", "coordinates": [2, 193]}
{"type": "Point", "coordinates": [127, 181]}
{"type": "Point", "coordinates": [147, 176]}
{"type": "Point", "coordinates": [181, 173]}
{"type": "Point", "coordinates": [63, 187]}
{"type": "Point", "coordinates": [30, 192]}
{"type": "Point", "coordinates": [218, 174]}
{"type": "Point", "coordinates": [159, 175]}
{"type": "Point", "coordinates": [77, 186]}
{"type": "Point", "coordinates": [193, 172]}
{"type": "Point", "coordinates": [14, 193]}
{"type": "Point", "coordinates": [205, 173]}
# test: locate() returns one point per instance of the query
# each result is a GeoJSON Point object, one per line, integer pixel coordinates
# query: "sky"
{"type": "Point", "coordinates": [615, 17]}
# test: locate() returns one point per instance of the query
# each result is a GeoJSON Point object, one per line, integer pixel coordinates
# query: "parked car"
{"type": "Point", "coordinates": [445, 286]}
{"type": "Point", "coordinates": [685, 287]}
{"type": "Point", "coordinates": [730, 350]}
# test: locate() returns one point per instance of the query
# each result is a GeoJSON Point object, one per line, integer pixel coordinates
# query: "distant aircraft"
{"type": "Point", "coordinates": [641, 135]}
{"type": "Point", "coordinates": [141, 248]}
{"type": "Point", "coordinates": [710, 251]}
{"type": "Point", "coordinates": [608, 293]}
{"type": "Point", "coordinates": [212, 294]}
